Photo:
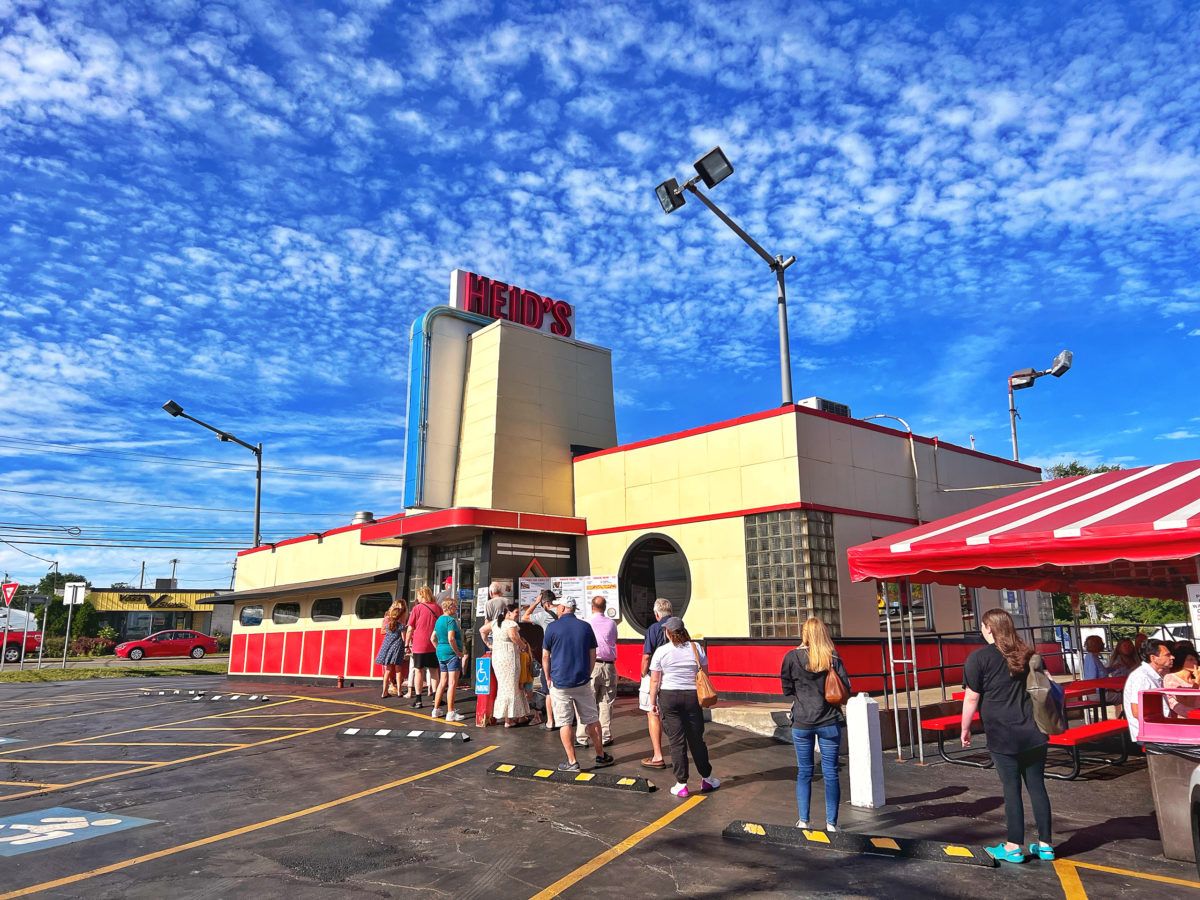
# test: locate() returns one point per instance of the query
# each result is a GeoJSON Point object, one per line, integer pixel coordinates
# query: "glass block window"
{"type": "Point", "coordinates": [791, 572]}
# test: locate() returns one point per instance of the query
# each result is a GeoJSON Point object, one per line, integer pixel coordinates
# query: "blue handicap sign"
{"type": "Point", "coordinates": [43, 828]}
{"type": "Point", "coordinates": [483, 676]}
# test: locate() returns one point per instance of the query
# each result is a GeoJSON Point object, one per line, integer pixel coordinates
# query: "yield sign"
{"type": "Point", "coordinates": [9, 589]}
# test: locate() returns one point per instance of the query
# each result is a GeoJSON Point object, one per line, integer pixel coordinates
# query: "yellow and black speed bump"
{"type": "Point", "coordinates": [248, 698]}
{"type": "Point", "coordinates": [462, 735]}
{"type": "Point", "coordinates": [172, 693]}
{"type": "Point", "coordinates": [603, 779]}
{"type": "Point", "coordinates": [862, 844]}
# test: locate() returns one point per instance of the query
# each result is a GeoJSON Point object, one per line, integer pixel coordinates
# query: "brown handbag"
{"type": "Point", "coordinates": [705, 692]}
{"type": "Point", "coordinates": [835, 690]}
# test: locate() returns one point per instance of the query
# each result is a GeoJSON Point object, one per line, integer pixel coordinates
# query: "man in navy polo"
{"type": "Point", "coordinates": [568, 656]}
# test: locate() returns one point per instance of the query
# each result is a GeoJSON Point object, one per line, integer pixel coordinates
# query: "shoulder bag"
{"type": "Point", "coordinates": [835, 690]}
{"type": "Point", "coordinates": [705, 692]}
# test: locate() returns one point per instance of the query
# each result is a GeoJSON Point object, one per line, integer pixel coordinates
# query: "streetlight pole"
{"type": "Point", "coordinates": [712, 168]}
{"type": "Point", "coordinates": [1025, 378]}
{"type": "Point", "coordinates": [174, 409]}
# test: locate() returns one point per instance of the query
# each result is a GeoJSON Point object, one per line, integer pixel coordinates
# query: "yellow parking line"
{"type": "Point", "coordinates": [237, 832]}
{"type": "Point", "coordinates": [378, 708]}
{"type": "Point", "coordinates": [74, 762]}
{"type": "Point", "coordinates": [147, 766]}
{"type": "Point", "coordinates": [93, 712]}
{"type": "Point", "coordinates": [282, 715]}
{"type": "Point", "coordinates": [44, 784]}
{"type": "Point", "coordinates": [1071, 879]}
{"type": "Point", "coordinates": [612, 853]}
{"type": "Point", "coordinates": [227, 727]}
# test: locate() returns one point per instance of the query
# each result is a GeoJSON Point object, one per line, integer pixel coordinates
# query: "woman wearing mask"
{"type": "Point", "coordinates": [507, 648]}
{"type": "Point", "coordinates": [814, 719]}
{"type": "Point", "coordinates": [673, 697]}
{"type": "Point", "coordinates": [995, 683]}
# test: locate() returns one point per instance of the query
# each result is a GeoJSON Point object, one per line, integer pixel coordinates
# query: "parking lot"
{"type": "Point", "coordinates": [108, 793]}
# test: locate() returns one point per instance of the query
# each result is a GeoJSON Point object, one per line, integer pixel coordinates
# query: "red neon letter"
{"type": "Point", "coordinates": [562, 313]}
{"type": "Point", "coordinates": [531, 309]}
{"type": "Point", "coordinates": [496, 297]}
{"type": "Point", "coordinates": [477, 291]}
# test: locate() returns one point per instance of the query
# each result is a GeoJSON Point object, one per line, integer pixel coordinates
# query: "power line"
{"type": "Point", "coordinates": [187, 461]}
{"type": "Point", "coordinates": [167, 505]}
{"type": "Point", "coordinates": [29, 543]}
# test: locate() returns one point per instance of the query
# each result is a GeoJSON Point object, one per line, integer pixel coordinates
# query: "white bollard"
{"type": "Point", "coordinates": [866, 753]}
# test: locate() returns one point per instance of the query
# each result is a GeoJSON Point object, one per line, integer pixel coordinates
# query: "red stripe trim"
{"type": "Point", "coordinates": [738, 513]}
{"type": "Point", "coordinates": [804, 410]}
{"type": "Point", "coordinates": [470, 517]}
{"type": "Point", "coordinates": [319, 535]}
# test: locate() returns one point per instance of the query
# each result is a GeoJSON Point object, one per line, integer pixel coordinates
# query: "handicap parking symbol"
{"type": "Point", "coordinates": [483, 676]}
{"type": "Point", "coordinates": [58, 825]}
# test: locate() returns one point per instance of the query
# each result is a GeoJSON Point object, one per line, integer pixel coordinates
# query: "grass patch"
{"type": "Point", "coordinates": [45, 674]}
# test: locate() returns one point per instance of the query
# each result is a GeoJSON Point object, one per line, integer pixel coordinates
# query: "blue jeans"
{"type": "Point", "coordinates": [830, 739]}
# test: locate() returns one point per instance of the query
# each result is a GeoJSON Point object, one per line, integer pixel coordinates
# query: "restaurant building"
{"type": "Point", "coordinates": [137, 612]}
{"type": "Point", "coordinates": [512, 469]}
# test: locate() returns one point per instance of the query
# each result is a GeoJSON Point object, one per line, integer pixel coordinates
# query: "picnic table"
{"type": "Point", "coordinates": [1079, 690]}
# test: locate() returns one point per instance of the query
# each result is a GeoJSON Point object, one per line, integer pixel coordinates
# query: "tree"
{"type": "Point", "coordinates": [84, 619]}
{"type": "Point", "coordinates": [1075, 468]}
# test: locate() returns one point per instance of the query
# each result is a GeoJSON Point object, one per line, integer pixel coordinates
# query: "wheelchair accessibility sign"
{"type": "Point", "coordinates": [483, 676]}
{"type": "Point", "coordinates": [59, 825]}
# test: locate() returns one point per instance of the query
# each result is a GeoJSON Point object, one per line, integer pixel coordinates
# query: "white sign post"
{"type": "Point", "coordinates": [1193, 602]}
{"type": "Point", "coordinates": [73, 593]}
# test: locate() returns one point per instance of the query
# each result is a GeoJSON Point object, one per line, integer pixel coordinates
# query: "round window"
{"type": "Point", "coordinates": [653, 567]}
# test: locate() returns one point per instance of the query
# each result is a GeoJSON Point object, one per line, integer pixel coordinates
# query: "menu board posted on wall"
{"type": "Point", "coordinates": [604, 586]}
{"type": "Point", "coordinates": [529, 588]}
{"type": "Point", "coordinates": [1193, 602]}
{"type": "Point", "coordinates": [582, 588]}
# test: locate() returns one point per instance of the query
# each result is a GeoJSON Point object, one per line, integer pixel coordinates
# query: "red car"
{"type": "Point", "coordinates": [169, 643]}
{"type": "Point", "coordinates": [12, 646]}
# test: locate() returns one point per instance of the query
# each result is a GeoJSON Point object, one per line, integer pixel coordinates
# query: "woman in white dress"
{"type": "Point", "coordinates": [507, 648]}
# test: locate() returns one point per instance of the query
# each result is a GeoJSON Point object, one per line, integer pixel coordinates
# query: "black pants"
{"type": "Point", "coordinates": [683, 721]}
{"type": "Point", "coordinates": [1030, 766]}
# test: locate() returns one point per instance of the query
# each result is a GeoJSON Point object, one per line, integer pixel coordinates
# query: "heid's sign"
{"type": "Point", "coordinates": [498, 300]}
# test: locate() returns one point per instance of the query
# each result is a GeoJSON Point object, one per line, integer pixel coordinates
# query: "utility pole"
{"type": "Point", "coordinates": [142, 577]}
{"type": "Point", "coordinates": [174, 563]}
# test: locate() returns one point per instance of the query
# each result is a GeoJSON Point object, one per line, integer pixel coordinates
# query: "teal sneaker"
{"type": "Point", "coordinates": [999, 853]}
{"type": "Point", "coordinates": [1041, 851]}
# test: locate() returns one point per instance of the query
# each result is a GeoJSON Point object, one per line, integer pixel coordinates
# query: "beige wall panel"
{"type": "Point", "coordinates": [664, 462]}
{"type": "Point", "coordinates": [336, 555]}
{"type": "Point", "coordinates": [812, 438]}
{"type": "Point", "coordinates": [695, 495]}
{"type": "Point", "coordinates": [638, 468]}
{"type": "Point", "coordinates": [664, 500]}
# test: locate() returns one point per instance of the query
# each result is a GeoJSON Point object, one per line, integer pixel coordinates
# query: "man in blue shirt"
{"type": "Point", "coordinates": [568, 657]}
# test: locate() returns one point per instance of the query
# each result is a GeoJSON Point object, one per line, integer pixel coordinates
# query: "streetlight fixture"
{"type": "Point", "coordinates": [174, 409]}
{"type": "Point", "coordinates": [713, 168]}
{"type": "Point", "coordinates": [1024, 378]}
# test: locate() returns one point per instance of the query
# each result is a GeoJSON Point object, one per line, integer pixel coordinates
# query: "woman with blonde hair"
{"type": "Point", "coordinates": [994, 678]}
{"type": "Point", "coordinates": [814, 719]}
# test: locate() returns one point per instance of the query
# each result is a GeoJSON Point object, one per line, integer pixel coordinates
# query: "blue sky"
{"type": "Point", "coordinates": [244, 206]}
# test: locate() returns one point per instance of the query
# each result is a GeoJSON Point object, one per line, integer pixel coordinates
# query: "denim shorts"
{"type": "Point", "coordinates": [453, 664]}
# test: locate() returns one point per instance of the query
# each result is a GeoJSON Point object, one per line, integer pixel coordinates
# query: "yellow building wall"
{"type": "Point", "coordinates": [528, 397]}
{"type": "Point", "coordinates": [329, 557]}
{"type": "Point", "coordinates": [110, 600]}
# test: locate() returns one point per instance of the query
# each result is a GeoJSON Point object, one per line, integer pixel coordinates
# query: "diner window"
{"type": "Point", "coordinates": [654, 566]}
{"type": "Point", "coordinates": [285, 613]}
{"type": "Point", "coordinates": [327, 609]}
{"type": "Point", "coordinates": [250, 616]}
{"type": "Point", "coordinates": [372, 606]}
{"type": "Point", "coordinates": [791, 572]}
{"type": "Point", "coordinates": [968, 601]}
{"type": "Point", "coordinates": [895, 599]}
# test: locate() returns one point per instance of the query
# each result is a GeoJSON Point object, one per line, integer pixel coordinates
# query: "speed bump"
{"type": "Point", "coordinates": [172, 693]}
{"type": "Point", "coordinates": [864, 844]}
{"type": "Point", "coordinates": [248, 698]}
{"type": "Point", "coordinates": [463, 735]}
{"type": "Point", "coordinates": [594, 778]}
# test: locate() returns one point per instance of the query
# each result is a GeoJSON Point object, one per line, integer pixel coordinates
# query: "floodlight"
{"type": "Point", "coordinates": [669, 195]}
{"type": "Point", "coordinates": [172, 408]}
{"type": "Point", "coordinates": [1062, 363]}
{"type": "Point", "coordinates": [1023, 378]}
{"type": "Point", "coordinates": [713, 167]}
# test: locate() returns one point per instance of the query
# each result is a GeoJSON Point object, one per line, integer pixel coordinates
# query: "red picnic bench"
{"type": "Point", "coordinates": [952, 724]}
{"type": "Point", "coordinates": [1073, 738]}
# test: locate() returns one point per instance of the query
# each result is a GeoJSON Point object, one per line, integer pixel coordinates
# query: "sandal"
{"type": "Point", "coordinates": [1000, 853]}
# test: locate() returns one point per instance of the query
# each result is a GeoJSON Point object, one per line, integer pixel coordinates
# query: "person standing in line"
{"type": "Point", "coordinates": [815, 719]}
{"type": "Point", "coordinates": [1146, 677]}
{"type": "Point", "coordinates": [654, 639]}
{"type": "Point", "coordinates": [994, 680]}
{"type": "Point", "coordinates": [604, 674]}
{"type": "Point", "coordinates": [569, 655]}
{"type": "Point", "coordinates": [506, 662]}
{"type": "Point", "coordinates": [673, 671]}
{"type": "Point", "coordinates": [451, 658]}
{"type": "Point", "coordinates": [541, 613]}
{"type": "Point", "coordinates": [391, 651]}
{"type": "Point", "coordinates": [421, 649]}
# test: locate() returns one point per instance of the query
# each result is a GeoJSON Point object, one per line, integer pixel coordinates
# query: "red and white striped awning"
{"type": "Point", "coordinates": [1134, 532]}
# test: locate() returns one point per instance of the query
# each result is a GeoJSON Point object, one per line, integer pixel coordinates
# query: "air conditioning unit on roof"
{"type": "Point", "coordinates": [826, 406]}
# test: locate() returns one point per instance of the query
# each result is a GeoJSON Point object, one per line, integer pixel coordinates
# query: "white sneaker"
{"type": "Point", "coordinates": [680, 790]}
{"type": "Point", "coordinates": [800, 823]}
{"type": "Point", "coordinates": [711, 783]}
{"type": "Point", "coordinates": [455, 716]}
{"type": "Point", "coordinates": [831, 828]}
{"type": "Point", "coordinates": [437, 713]}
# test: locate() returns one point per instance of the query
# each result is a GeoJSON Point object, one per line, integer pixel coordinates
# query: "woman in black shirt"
{"type": "Point", "coordinates": [813, 719]}
{"type": "Point", "coordinates": [994, 679]}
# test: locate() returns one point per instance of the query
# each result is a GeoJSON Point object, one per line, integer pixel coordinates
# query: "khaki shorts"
{"type": "Point", "coordinates": [644, 695]}
{"type": "Point", "coordinates": [577, 704]}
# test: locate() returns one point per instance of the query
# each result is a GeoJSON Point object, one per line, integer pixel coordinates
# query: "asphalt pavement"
{"type": "Point", "coordinates": [155, 795]}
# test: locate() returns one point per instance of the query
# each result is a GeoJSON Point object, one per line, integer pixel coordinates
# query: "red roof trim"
{"type": "Point", "coordinates": [738, 513]}
{"type": "Point", "coordinates": [804, 410]}
{"type": "Point", "coordinates": [318, 535]}
{"type": "Point", "coordinates": [471, 517]}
